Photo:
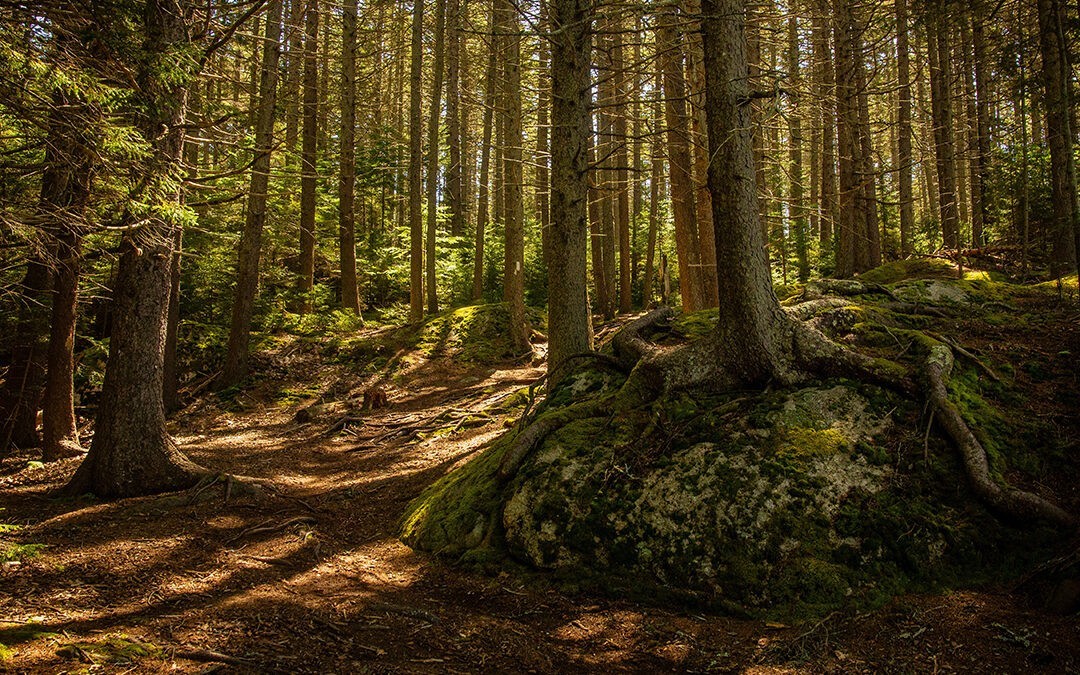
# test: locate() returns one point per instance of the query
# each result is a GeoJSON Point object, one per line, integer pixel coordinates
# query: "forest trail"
{"type": "Point", "coordinates": [309, 575]}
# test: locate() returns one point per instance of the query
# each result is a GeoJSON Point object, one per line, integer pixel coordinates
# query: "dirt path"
{"type": "Point", "coordinates": [311, 578]}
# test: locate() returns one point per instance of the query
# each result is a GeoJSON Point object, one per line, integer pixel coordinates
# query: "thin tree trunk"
{"type": "Point", "coordinates": [308, 157]}
{"type": "Point", "coordinates": [247, 266]}
{"type": "Point", "coordinates": [433, 156]}
{"type": "Point", "coordinates": [25, 377]}
{"type": "Point", "coordinates": [679, 164]}
{"type": "Point", "coordinates": [941, 101]}
{"type": "Point", "coordinates": [797, 207]}
{"type": "Point", "coordinates": [416, 164]}
{"type": "Point", "coordinates": [904, 156]}
{"type": "Point", "coordinates": [484, 190]}
{"type": "Point", "coordinates": [350, 290]}
{"type": "Point", "coordinates": [513, 177]}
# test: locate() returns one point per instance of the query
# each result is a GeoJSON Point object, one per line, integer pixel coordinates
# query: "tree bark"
{"type": "Point", "coordinates": [416, 164]}
{"type": "Point", "coordinates": [679, 163]}
{"type": "Point", "coordinates": [1056, 74]}
{"type": "Point", "coordinates": [247, 266]}
{"type": "Point", "coordinates": [350, 290]}
{"type": "Point", "coordinates": [904, 156]}
{"type": "Point", "coordinates": [308, 156]}
{"type": "Point", "coordinates": [513, 177]}
{"type": "Point", "coordinates": [569, 326]}
{"type": "Point", "coordinates": [433, 156]}
{"type": "Point", "coordinates": [941, 102]}
{"type": "Point", "coordinates": [132, 453]}
{"type": "Point", "coordinates": [797, 207]}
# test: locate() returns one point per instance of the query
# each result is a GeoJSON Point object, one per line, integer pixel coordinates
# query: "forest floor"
{"type": "Point", "coordinates": [308, 575]}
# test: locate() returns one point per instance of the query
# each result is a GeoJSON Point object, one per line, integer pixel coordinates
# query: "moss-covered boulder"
{"type": "Point", "coordinates": [777, 502]}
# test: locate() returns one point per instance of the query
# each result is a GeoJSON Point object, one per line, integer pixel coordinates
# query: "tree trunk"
{"type": "Point", "coordinates": [308, 156]}
{"type": "Point", "coordinates": [483, 205]}
{"type": "Point", "coordinates": [247, 266]}
{"type": "Point", "coordinates": [982, 119]}
{"type": "Point", "coordinates": [750, 317]}
{"type": "Point", "coordinates": [824, 84]}
{"type": "Point", "coordinates": [513, 177]}
{"type": "Point", "coordinates": [1056, 76]}
{"type": "Point", "coordinates": [679, 163]}
{"type": "Point", "coordinates": [797, 207]}
{"type": "Point", "coordinates": [941, 102]}
{"type": "Point", "coordinates": [569, 326]}
{"type": "Point", "coordinates": [433, 156]}
{"type": "Point", "coordinates": [621, 157]}
{"type": "Point", "coordinates": [24, 380]}
{"type": "Point", "coordinates": [416, 164]}
{"type": "Point", "coordinates": [350, 290]}
{"type": "Point", "coordinates": [132, 453]}
{"type": "Point", "coordinates": [454, 172]}
{"type": "Point", "coordinates": [904, 157]}
{"type": "Point", "coordinates": [851, 223]}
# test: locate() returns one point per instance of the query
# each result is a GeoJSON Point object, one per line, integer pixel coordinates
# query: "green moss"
{"type": "Point", "coordinates": [12, 635]}
{"type": "Point", "coordinates": [911, 268]}
{"type": "Point", "coordinates": [473, 333]}
{"type": "Point", "coordinates": [794, 443]}
{"type": "Point", "coordinates": [456, 513]}
{"type": "Point", "coordinates": [115, 649]}
{"type": "Point", "coordinates": [12, 552]}
{"type": "Point", "coordinates": [691, 325]}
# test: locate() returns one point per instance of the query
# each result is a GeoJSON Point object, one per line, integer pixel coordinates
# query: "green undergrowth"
{"type": "Point", "coordinates": [12, 635]}
{"type": "Point", "coordinates": [13, 551]}
{"type": "Point", "coordinates": [119, 649]}
{"type": "Point", "coordinates": [786, 503]}
{"type": "Point", "coordinates": [477, 333]}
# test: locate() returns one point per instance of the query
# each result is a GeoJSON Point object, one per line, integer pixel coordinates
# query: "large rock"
{"type": "Point", "coordinates": [749, 517]}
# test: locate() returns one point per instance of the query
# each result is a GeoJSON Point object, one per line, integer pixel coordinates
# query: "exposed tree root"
{"type": "Point", "coordinates": [1007, 500]}
{"type": "Point", "coordinates": [533, 435]}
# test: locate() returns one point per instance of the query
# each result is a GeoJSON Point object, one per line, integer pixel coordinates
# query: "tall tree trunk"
{"type": "Point", "coordinates": [797, 206]}
{"type": "Point", "coordinates": [656, 166]}
{"type": "Point", "coordinates": [513, 177]}
{"type": "Point", "coordinates": [25, 377]}
{"type": "Point", "coordinates": [543, 124]}
{"type": "Point", "coordinates": [982, 117]}
{"type": "Point", "coordinates": [308, 157]}
{"type": "Point", "coordinates": [416, 164]}
{"type": "Point", "coordinates": [904, 156]}
{"type": "Point", "coordinates": [433, 156]}
{"type": "Point", "coordinates": [247, 266]}
{"type": "Point", "coordinates": [750, 318]}
{"type": "Point", "coordinates": [851, 223]}
{"type": "Point", "coordinates": [941, 102]}
{"type": "Point", "coordinates": [699, 150]}
{"type": "Point", "coordinates": [621, 157]}
{"type": "Point", "coordinates": [454, 172]}
{"type": "Point", "coordinates": [132, 453]}
{"type": "Point", "coordinates": [66, 183]}
{"type": "Point", "coordinates": [294, 32]}
{"type": "Point", "coordinates": [483, 205]}
{"type": "Point", "coordinates": [569, 326]}
{"type": "Point", "coordinates": [824, 84]}
{"type": "Point", "coordinates": [1056, 74]}
{"type": "Point", "coordinates": [679, 163]}
{"type": "Point", "coordinates": [350, 290]}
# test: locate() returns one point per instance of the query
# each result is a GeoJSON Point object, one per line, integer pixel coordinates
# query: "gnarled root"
{"type": "Point", "coordinates": [533, 435]}
{"type": "Point", "coordinates": [1008, 500]}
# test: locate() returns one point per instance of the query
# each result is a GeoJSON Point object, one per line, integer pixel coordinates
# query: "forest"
{"type": "Point", "coordinates": [347, 336]}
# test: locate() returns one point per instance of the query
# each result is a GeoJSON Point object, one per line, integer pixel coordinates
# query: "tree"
{"type": "Point", "coordinates": [250, 251]}
{"type": "Point", "coordinates": [132, 452]}
{"type": "Point", "coordinates": [569, 326]}
{"type": "Point", "coordinates": [1057, 83]}
{"type": "Point", "coordinates": [350, 291]}
{"type": "Point", "coordinates": [310, 143]}
{"type": "Point", "coordinates": [433, 156]}
{"type": "Point", "coordinates": [904, 156]}
{"type": "Point", "coordinates": [416, 167]}
{"type": "Point", "coordinates": [513, 177]}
